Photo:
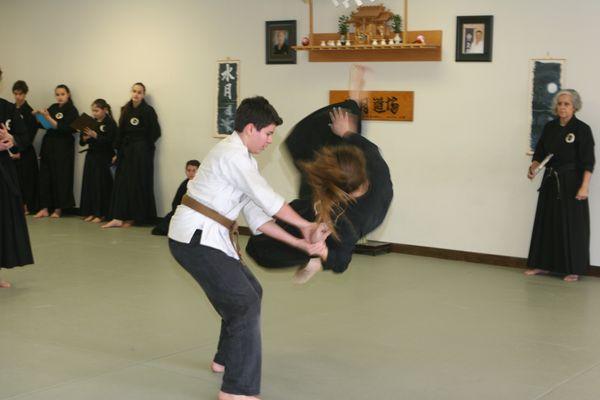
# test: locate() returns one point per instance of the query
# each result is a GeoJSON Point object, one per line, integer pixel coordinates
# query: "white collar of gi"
{"type": "Point", "coordinates": [237, 140]}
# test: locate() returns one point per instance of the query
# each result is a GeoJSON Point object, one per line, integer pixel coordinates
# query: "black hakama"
{"type": "Point", "coordinates": [560, 241]}
{"type": "Point", "coordinates": [360, 217]}
{"type": "Point", "coordinates": [57, 158]}
{"type": "Point", "coordinates": [162, 228]}
{"type": "Point", "coordinates": [15, 248]}
{"type": "Point", "coordinates": [133, 191]}
{"type": "Point", "coordinates": [27, 163]}
{"type": "Point", "coordinates": [97, 184]}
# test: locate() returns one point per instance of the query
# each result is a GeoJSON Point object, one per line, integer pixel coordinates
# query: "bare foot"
{"type": "Point", "coordinates": [97, 220]}
{"type": "Point", "coordinates": [42, 213]}
{"type": "Point", "coordinates": [571, 278]}
{"type": "Point", "coordinates": [57, 213]}
{"type": "Point", "coordinates": [88, 218]}
{"type": "Point", "coordinates": [227, 396]}
{"type": "Point", "coordinates": [535, 271]}
{"type": "Point", "coordinates": [304, 274]}
{"type": "Point", "coordinates": [217, 368]}
{"type": "Point", "coordinates": [115, 223]}
{"type": "Point", "coordinates": [4, 284]}
{"type": "Point", "coordinates": [128, 223]}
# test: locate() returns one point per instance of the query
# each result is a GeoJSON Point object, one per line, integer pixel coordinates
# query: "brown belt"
{"type": "Point", "coordinates": [231, 226]}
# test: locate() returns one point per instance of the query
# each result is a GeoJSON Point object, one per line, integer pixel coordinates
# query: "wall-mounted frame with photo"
{"type": "Point", "coordinates": [280, 37]}
{"type": "Point", "coordinates": [474, 38]}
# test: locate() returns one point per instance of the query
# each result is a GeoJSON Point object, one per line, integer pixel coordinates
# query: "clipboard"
{"type": "Point", "coordinates": [84, 121]}
{"type": "Point", "coordinates": [43, 121]}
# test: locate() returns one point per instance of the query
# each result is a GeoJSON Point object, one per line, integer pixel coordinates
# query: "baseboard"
{"type": "Point", "coordinates": [468, 256]}
{"type": "Point", "coordinates": [458, 255]}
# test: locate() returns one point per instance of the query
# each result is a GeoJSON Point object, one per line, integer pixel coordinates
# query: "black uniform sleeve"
{"type": "Point", "coordinates": [585, 149]}
{"type": "Point", "coordinates": [31, 125]}
{"type": "Point", "coordinates": [82, 142]}
{"type": "Point", "coordinates": [153, 125]}
{"type": "Point", "coordinates": [179, 195]}
{"type": "Point", "coordinates": [540, 149]}
{"type": "Point", "coordinates": [69, 116]}
{"type": "Point", "coordinates": [119, 134]}
{"type": "Point", "coordinates": [17, 129]}
{"type": "Point", "coordinates": [340, 253]}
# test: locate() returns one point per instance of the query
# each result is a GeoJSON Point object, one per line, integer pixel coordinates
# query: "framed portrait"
{"type": "Point", "coordinates": [228, 89]}
{"type": "Point", "coordinates": [474, 38]}
{"type": "Point", "coordinates": [280, 37]}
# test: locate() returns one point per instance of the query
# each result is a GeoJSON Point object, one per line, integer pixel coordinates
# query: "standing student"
{"type": "Point", "coordinates": [26, 159]}
{"type": "Point", "coordinates": [97, 184]}
{"type": "Point", "coordinates": [57, 155]}
{"type": "Point", "coordinates": [560, 241]}
{"type": "Point", "coordinates": [162, 228]}
{"type": "Point", "coordinates": [133, 193]}
{"type": "Point", "coordinates": [15, 249]}
{"type": "Point", "coordinates": [227, 183]}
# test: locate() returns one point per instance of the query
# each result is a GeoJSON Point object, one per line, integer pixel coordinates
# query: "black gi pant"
{"type": "Point", "coordinates": [236, 295]}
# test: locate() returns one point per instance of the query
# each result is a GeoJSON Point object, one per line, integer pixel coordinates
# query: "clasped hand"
{"type": "Point", "coordinates": [6, 139]}
{"type": "Point", "coordinates": [90, 132]}
{"type": "Point", "coordinates": [314, 239]}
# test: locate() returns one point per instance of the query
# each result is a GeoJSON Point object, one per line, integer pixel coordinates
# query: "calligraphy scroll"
{"type": "Point", "coordinates": [228, 84]}
{"type": "Point", "coordinates": [381, 105]}
{"type": "Point", "coordinates": [546, 79]}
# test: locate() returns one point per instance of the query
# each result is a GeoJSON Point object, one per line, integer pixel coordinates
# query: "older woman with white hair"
{"type": "Point", "coordinates": [560, 242]}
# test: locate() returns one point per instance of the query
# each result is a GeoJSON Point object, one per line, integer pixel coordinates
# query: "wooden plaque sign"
{"type": "Point", "coordinates": [381, 105]}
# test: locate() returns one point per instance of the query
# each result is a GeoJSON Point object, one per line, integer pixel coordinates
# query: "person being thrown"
{"type": "Point", "coordinates": [345, 187]}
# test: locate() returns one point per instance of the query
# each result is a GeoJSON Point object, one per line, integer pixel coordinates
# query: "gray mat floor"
{"type": "Point", "coordinates": [110, 315]}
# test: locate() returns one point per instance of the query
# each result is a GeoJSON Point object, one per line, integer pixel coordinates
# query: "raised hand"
{"type": "Point", "coordinates": [342, 123]}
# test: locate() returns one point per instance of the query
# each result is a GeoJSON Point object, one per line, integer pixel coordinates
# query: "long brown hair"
{"type": "Point", "coordinates": [335, 172]}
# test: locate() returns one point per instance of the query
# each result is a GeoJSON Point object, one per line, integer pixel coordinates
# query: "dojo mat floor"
{"type": "Point", "coordinates": [108, 314]}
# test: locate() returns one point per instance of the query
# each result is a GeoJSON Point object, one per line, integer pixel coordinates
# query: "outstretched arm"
{"type": "Point", "coordinates": [273, 230]}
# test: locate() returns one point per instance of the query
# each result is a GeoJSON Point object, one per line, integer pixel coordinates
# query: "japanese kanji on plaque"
{"type": "Point", "coordinates": [380, 105]}
{"type": "Point", "coordinates": [228, 83]}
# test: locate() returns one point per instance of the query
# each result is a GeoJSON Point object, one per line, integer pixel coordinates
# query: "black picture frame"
{"type": "Point", "coordinates": [468, 29]}
{"type": "Point", "coordinates": [282, 52]}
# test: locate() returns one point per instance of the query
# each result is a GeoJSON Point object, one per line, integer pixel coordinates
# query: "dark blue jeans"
{"type": "Point", "coordinates": [236, 295]}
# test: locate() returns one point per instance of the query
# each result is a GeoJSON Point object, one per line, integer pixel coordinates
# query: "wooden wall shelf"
{"type": "Point", "coordinates": [431, 51]}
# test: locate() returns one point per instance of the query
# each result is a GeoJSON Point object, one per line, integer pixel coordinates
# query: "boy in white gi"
{"type": "Point", "coordinates": [200, 239]}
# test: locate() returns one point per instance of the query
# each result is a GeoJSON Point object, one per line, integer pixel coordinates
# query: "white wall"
{"type": "Point", "coordinates": [458, 169]}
